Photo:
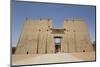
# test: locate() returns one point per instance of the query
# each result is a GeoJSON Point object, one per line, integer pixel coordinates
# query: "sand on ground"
{"type": "Point", "coordinates": [52, 58]}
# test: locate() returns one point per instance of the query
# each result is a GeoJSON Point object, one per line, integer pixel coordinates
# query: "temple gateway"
{"type": "Point", "coordinates": [39, 37]}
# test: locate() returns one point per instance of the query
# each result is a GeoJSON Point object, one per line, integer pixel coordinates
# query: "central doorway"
{"type": "Point", "coordinates": [57, 41]}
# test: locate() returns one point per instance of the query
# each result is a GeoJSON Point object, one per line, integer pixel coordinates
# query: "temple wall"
{"type": "Point", "coordinates": [83, 43]}
{"type": "Point", "coordinates": [69, 33]}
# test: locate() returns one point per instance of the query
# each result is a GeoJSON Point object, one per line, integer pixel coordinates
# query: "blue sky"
{"type": "Point", "coordinates": [56, 12]}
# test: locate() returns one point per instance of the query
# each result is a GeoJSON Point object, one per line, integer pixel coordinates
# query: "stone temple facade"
{"type": "Point", "coordinates": [39, 37]}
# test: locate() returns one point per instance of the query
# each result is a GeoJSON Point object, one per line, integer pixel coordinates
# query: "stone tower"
{"type": "Point", "coordinates": [38, 37]}
{"type": "Point", "coordinates": [76, 37]}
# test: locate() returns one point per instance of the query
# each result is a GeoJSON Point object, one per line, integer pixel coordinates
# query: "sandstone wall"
{"type": "Point", "coordinates": [77, 36]}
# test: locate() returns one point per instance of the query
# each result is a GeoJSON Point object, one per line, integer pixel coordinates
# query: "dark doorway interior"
{"type": "Point", "coordinates": [27, 52]}
{"type": "Point", "coordinates": [57, 48]}
{"type": "Point", "coordinates": [57, 41]}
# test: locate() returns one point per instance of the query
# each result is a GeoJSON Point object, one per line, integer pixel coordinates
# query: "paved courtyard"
{"type": "Point", "coordinates": [52, 58]}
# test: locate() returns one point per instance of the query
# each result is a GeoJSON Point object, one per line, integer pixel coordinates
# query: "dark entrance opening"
{"type": "Point", "coordinates": [83, 50]}
{"type": "Point", "coordinates": [27, 52]}
{"type": "Point", "coordinates": [57, 48]}
{"type": "Point", "coordinates": [57, 41]}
